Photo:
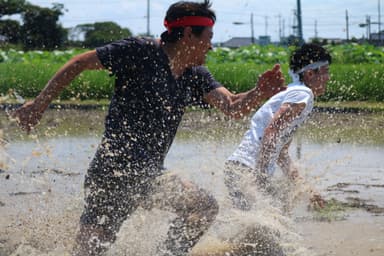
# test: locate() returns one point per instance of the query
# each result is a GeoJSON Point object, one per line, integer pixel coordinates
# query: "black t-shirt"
{"type": "Point", "coordinates": [148, 103]}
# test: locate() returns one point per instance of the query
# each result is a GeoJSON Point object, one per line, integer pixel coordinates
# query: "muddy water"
{"type": "Point", "coordinates": [41, 181]}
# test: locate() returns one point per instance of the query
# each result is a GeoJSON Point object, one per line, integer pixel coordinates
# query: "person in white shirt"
{"type": "Point", "coordinates": [266, 142]}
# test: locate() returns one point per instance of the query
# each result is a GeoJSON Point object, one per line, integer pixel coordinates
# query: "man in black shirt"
{"type": "Point", "coordinates": [154, 82]}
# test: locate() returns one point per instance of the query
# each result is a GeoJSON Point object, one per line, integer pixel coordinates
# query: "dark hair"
{"type": "Point", "coordinates": [181, 9]}
{"type": "Point", "coordinates": [307, 54]}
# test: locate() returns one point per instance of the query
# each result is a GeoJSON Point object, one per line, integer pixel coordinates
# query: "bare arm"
{"type": "Point", "coordinates": [280, 121]}
{"type": "Point", "coordinates": [238, 105]}
{"type": "Point", "coordinates": [290, 170]}
{"type": "Point", "coordinates": [286, 164]}
{"type": "Point", "coordinates": [31, 112]}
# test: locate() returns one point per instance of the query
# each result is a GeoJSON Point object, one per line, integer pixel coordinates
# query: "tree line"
{"type": "Point", "coordinates": [40, 28]}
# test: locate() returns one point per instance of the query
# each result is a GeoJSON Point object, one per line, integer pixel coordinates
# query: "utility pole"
{"type": "Point", "coordinates": [280, 27]}
{"type": "Point", "coordinates": [347, 24]}
{"type": "Point", "coordinates": [266, 25]}
{"type": "Point", "coordinates": [294, 24]}
{"type": "Point", "coordinates": [316, 34]}
{"type": "Point", "coordinates": [379, 23]}
{"type": "Point", "coordinates": [367, 25]}
{"type": "Point", "coordinates": [252, 31]}
{"type": "Point", "coordinates": [148, 18]}
{"type": "Point", "coordinates": [299, 22]}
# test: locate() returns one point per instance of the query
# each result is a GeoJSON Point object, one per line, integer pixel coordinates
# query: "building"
{"type": "Point", "coordinates": [377, 38]}
{"type": "Point", "coordinates": [236, 42]}
{"type": "Point", "coordinates": [327, 40]}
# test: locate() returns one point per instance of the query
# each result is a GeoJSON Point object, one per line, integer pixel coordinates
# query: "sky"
{"type": "Point", "coordinates": [324, 18]}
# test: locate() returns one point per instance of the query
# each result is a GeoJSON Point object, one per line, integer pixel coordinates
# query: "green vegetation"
{"type": "Point", "coordinates": [28, 80]}
{"type": "Point", "coordinates": [256, 54]}
{"type": "Point", "coordinates": [12, 56]}
{"type": "Point", "coordinates": [238, 76]}
{"type": "Point", "coordinates": [356, 54]}
{"type": "Point", "coordinates": [40, 28]}
{"type": "Point", "coordinates": [377, 106]}
{"type": "Point", "coordinates": [101, 33]}
{"type": "Point", "coordinates": [341, 54]}
{"type": "Point", "coordinates": [350, 82]}
{"type": "Point", "coordinates": [356, 72]}
{"type": "Point", "coordinates": [333, 210]}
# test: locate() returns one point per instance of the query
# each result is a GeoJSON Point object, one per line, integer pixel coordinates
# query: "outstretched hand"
{"type": "Point", "coordinates": [271, 82]}
{"type": "Point", "coordinates": [27, 116]}
{"type": "Point", "coordinates": [316, 201]}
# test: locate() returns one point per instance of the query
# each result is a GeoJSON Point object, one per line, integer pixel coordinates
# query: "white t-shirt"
{"type": "Point", "coordinates": [247, 152]}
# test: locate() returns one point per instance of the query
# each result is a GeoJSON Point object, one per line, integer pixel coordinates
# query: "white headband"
{"type": "Point", "coordinates": [295, 75]}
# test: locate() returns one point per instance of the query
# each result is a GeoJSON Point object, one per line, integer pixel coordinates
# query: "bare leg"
{"type": "Point", "coordinates": [106, 208]}
{"type": "Point", "coordinates": [232, 181]}
{"type": "Point", "coordinates": [239, 179]}
{"type": "Point", "coordinates": [195, 210]}
{"type": "Point", "coordinates": [92, 241]}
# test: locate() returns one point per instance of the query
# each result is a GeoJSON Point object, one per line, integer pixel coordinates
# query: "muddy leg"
{"type": "Point", "coordinates": [92, 241]}
{"type": "Point", "coordinates": [195, 210]}
{"type": "Point", "coordinates": [106, 208]}
{"type": "Point", "coordinates": [258, 240]}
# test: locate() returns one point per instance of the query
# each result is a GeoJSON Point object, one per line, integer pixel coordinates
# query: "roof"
{"type": "Point", "coordinates": [237, 42]}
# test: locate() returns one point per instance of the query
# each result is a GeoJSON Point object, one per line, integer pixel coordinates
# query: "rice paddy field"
{"type": "Point", "coordinates": [338, 152]}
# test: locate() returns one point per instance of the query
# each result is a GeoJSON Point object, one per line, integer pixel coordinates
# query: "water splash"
{"type": "Point", "coordinates": [43, 220]}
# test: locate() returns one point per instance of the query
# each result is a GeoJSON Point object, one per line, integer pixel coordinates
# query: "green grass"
{"type": "Point", "coordinates": [29, 79]}
{"type": "Point", "coordinates": [349, 82]}
{"type": "Point", "coordinates": [27, 73]}
{"type": "Point", "coordinates": [238, 77]}
{"type": "Point", "coordinates": [333, 210]}
{"type": "Point", "coordinates": [372, 106]}
{"type": "Point", "coordinates": [361, 82]}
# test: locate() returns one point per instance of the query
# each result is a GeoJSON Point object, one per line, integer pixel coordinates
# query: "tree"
{"type": "Point", "coordinates": [10, 29]}
{"type": "Point", "coordinates": [100, 33]}
{"type": "Point", "coordinates": [41, 29]}
{"type": "Point", "coordinates": [9, 7]}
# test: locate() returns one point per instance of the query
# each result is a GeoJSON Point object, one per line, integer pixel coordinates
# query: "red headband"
{"type": "Point", "coordinates": [189, 21]}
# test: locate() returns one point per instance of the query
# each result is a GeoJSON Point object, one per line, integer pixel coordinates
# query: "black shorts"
{"type": "Point", "coordinates": [114, 187]}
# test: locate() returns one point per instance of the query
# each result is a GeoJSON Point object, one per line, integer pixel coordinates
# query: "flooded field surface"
{"type": "Point", "coordinates": [341, 155]}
